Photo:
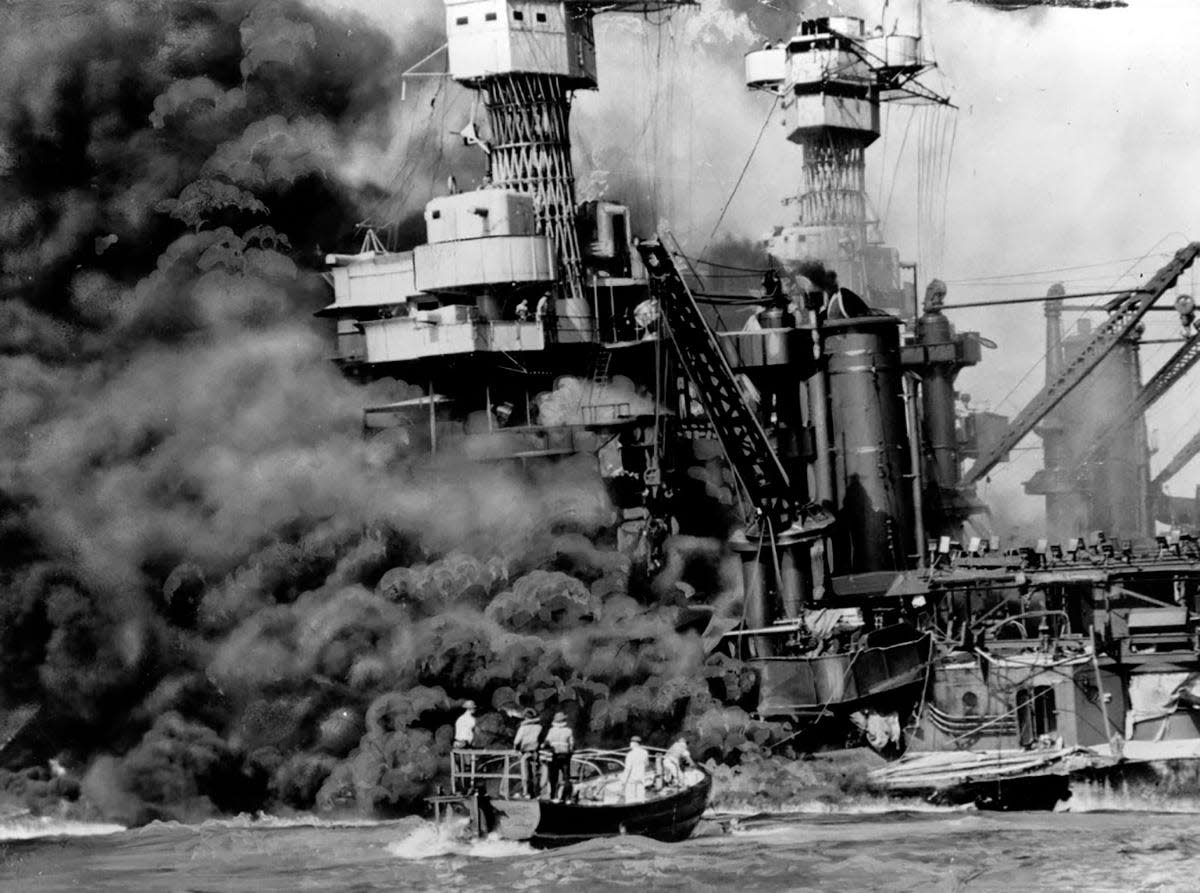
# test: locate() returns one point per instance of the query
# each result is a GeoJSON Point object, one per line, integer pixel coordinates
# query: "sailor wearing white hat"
{"type": "Point", "coordinates": [464, 726]}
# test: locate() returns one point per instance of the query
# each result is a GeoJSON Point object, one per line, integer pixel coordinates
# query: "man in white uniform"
{"type": "Point", "coordinates": [634, 776]}
{"type": "Point", "coordinates": [675, 760]}
{"type": "Point", "coordinates": [464, 726]}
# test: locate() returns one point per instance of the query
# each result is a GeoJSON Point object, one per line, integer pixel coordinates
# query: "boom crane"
{"type": "Point", "coordinates": [775, 545]}
{"type": "Point", "coordinates": [743, 440]}
{"type": "Point", "coordinates": [1126, 312]}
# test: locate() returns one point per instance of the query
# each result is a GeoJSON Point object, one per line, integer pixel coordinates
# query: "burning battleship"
{"type": "Point", "coordinates": [873, 589]}
{"type": "Point", "coordinates": [282, 617]}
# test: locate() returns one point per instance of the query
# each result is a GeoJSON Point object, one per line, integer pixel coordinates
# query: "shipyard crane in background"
{"type": "Point", "coordinates": [526, 58]}
{"type": "Point", "coordinates": [1166, 377]}
{"type": "Point", "coordinates": [1167, 505]}
{"type": "Point", "coordinates": [1125, 314]}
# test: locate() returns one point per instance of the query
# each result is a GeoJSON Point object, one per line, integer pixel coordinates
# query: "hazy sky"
{"type": "Point", "coordinates": [1072, 150]}
{"type": "Point", "coordinates": [1077, 137]}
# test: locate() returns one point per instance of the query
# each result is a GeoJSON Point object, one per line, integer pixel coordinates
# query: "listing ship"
{"type": "Point", "coordinates": [875, 595]}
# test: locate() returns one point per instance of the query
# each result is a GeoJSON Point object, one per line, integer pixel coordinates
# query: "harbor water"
{"type": "Point", "coordinates": [926, 851]}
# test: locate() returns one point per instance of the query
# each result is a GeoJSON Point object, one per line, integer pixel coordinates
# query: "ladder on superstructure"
{"type": "Point", "coordinates": [600, 377]}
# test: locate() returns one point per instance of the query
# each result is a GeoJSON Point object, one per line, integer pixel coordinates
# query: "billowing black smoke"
{"type": "Point", "coordinates": [219, 595]}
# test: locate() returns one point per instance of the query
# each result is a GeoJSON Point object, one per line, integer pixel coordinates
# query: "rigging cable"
{"type": "Point", "coordinates": [720, 266]}
{"type": "Point", "coordinates": [1118, 260]}
{"type": "Point", "coordinates": [896, 167]}
{"type": "Point", "coordinates": [741, 176]}
{"type": "Point", "coordinates": [946, 184]}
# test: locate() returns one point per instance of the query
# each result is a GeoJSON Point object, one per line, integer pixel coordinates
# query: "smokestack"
{"type": "Point", "coordinates": [870, 446]}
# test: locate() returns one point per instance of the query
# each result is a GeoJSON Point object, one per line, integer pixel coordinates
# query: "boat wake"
{"type": "Point", "coordinates": [865, 806]}
{"type": "Point", "coordinates": [29, 827]}
{"type": "Point", "coordinates": [1099, 796]}
{"type": "Point", "coordinates": [452, 838]}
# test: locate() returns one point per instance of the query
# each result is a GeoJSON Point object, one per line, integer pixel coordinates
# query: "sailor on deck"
{"type": "Point", "coordinates": [464, 726]}
{"type": "Point", "coordinates": [675, 760]}
{"type": "Point", "coordinates": [634, 777]}
{"type": "Point", "coordinates": [526, 743]}
{"type": "Point", "coordinates": [560, 741]}
{"type": "Point", "coordinates": [547, 315]}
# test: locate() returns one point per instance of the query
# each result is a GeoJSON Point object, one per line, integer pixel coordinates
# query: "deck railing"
{"type": "Point", "coordinates": [594, 773]}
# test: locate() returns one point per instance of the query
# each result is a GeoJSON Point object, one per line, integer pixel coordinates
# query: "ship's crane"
{"type": "Point", "coordinates": [1173, 370]}
{"type": "Point", "coordinates": [776, 563]}
{"type": "Point", "coordinates": [1126, 312]}
{"type": "Point", "coordinates": [738, 429]}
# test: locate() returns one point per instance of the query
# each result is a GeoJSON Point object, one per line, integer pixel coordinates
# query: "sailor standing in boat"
{"type": "Point", "coordinates": [464, 726]}
{"type": "Point", "coordinates": [526, 743]}
{"type": "Point", "coordinates": [675, 760]}
{"type": "Point", "coordinates": [634, 777]}
{"type": "Point", "coordinates": [560, 741]}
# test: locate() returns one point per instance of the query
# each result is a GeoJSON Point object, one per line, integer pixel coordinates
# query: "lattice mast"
{"type": "Point", "coordinates": [527, 58]}
{"type": "Point", "coordinates": [528, 115]}
{"type": "Point", "coordinates": [831, 77]}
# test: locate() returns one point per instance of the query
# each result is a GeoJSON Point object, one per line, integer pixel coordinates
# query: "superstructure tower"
{"type": "Point", "coordinates": [830, 78]}
{"type": "Point", "coordinates": [526, 58]}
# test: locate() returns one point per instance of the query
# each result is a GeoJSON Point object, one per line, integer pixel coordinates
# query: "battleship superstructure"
{"type": "Point", "coordinates": [830, 78]}
{"type": "Point", "coordinates": [870, 578]}
{"type": "Point", "coordinates": [516, 285]}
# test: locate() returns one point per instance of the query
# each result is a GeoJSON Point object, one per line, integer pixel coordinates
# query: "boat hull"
{"type": "Point", "coordinates": [669, 819]}
{"type": "Point", "coordinates": [1002, 780]}
{"type": "Point", "coordinates": [1145, 773]}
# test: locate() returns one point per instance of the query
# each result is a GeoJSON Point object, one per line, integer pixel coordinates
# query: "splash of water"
{"type": "Point", "coordinates": [1121, 796]}
{"type": "Point", "coordinates": [28, 827]}
{"type": "Point", "coordinates": [451, 838]}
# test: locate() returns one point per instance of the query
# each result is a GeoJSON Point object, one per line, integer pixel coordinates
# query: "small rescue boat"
{"type": "Point", "coordinates": [491, 785]}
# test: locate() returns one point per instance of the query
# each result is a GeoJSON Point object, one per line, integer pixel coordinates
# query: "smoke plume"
{"type": "Point", "coordinates": [220, 595]}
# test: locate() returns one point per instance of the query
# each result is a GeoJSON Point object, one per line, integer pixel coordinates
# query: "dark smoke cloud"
{"type": "Point", "coordinates": [221, 596]}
